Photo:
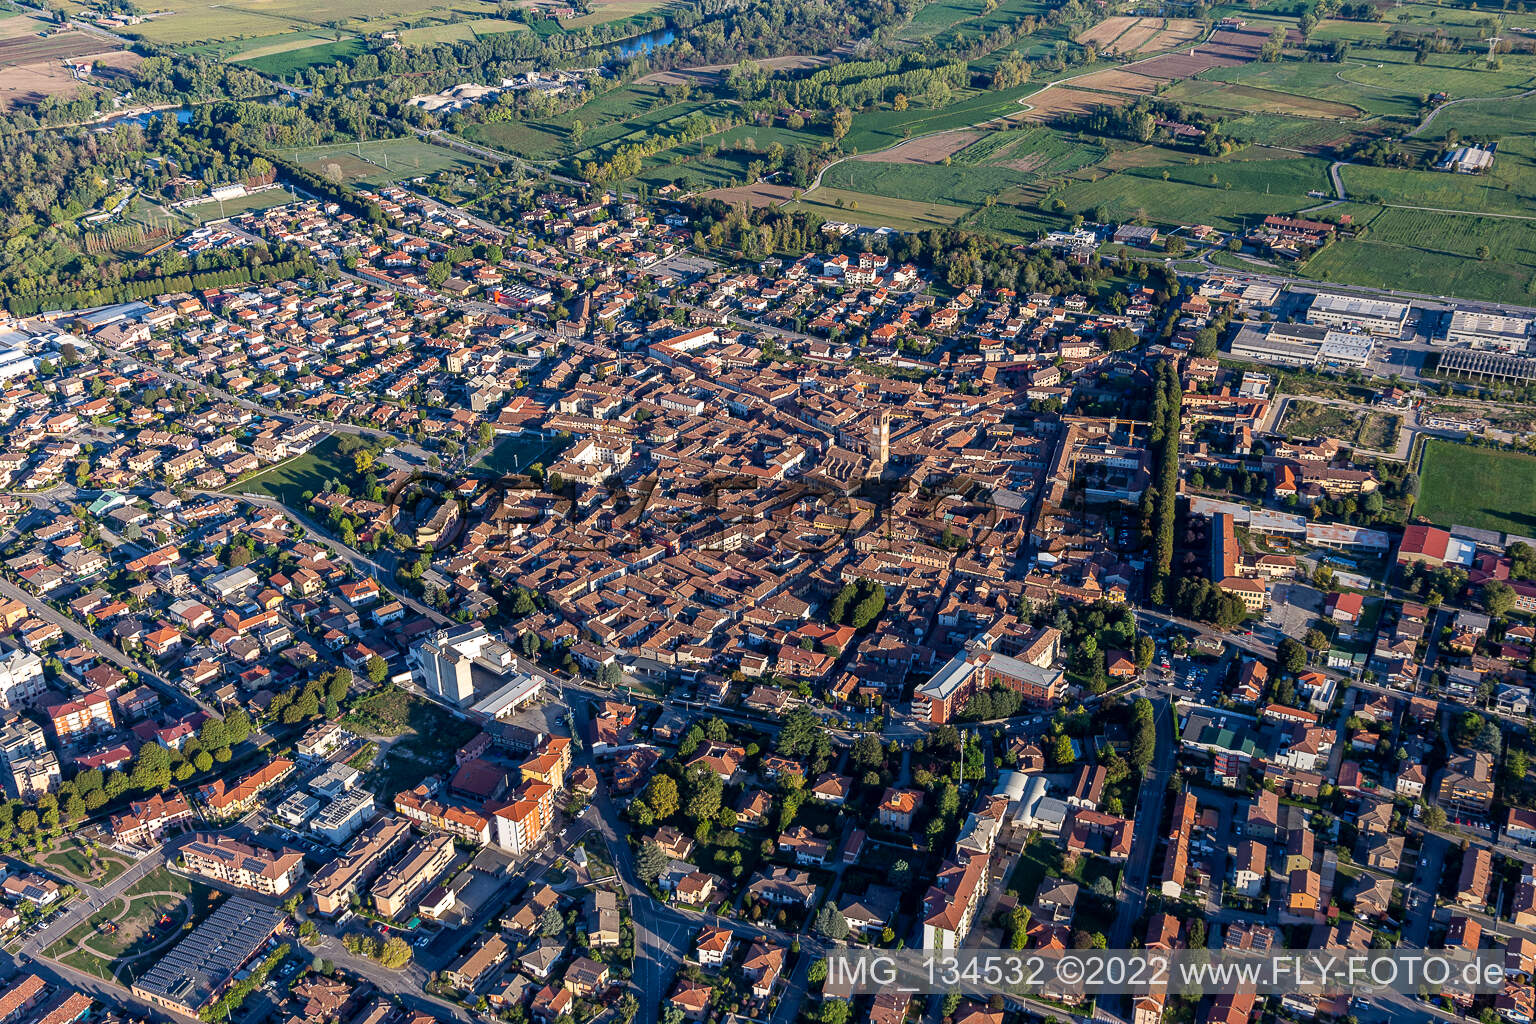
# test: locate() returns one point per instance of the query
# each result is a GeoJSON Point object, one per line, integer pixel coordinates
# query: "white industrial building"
{"type": "Point", "coordinates": [1341, 348]}
{"type": "Point", "coordinates": [1510, 334]}
{"type": "Point", "coordinates": [1373, 316]}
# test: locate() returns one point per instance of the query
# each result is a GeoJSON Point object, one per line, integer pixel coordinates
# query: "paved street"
{"type": "Point", "coordinates": [101, 646]}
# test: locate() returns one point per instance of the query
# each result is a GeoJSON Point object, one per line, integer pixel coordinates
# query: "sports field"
{"type": "Point", "coordinates": [263, 200]}
{"type": "Point", "coordinates": [313, 471]}
{"type": "Point", "coordinates": [1479, 487]}
{"type": "Point", "coordinates": [376, 163]}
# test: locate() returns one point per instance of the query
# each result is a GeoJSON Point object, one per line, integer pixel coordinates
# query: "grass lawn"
{"type": "Point", "coordinates": [311, 471]}
{"type": "Point", "coordinates": [72, 858]}
{"type": "Point", "coordinates": [1465, 486]}
{"type": "Point", "coordinates": [131, 928]}
{"type": "Point", "coordinates": [1040, 860]}
{"type": "Point", "coordinates": [599, 863]}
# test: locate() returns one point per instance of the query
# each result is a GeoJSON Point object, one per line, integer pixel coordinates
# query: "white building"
{"type": "Point", "coordinates": [447, 660]}
{"type": "Point", "coordinates": [1374, 316]}
{"type": "Point", "coordinates": [1341, 348]}
{"type": "Point", "coordinates": [1510, 334]}
{"type": "Point", "coordinates": [343, 817]}
{"type": "Point", "coordinates": [21, 678]}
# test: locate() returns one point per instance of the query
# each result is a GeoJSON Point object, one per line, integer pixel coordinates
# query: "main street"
{"type": "Point", "coordinates": [103, 647]}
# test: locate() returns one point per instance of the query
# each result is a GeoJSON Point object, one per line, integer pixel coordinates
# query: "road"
{"type": "Point", "coordinates": [664, 934]}
{"type": "Point", "coordinates": [1146, 837]}
{"type": "Point", "coordinates": [101, 646]}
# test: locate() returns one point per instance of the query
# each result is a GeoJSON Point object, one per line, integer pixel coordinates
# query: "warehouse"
{"type": "Point", "coordinates": [1279, 344]}
{"type": "Point", "coordinates": [1510, 334]}
{"type": "Point", "coordinates": [1374, 316]}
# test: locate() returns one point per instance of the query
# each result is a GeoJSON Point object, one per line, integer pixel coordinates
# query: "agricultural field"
{"type": "Point", "coordinates": [733, 152]}
{"type": "Point", "coordinates": [1131, 36]}
{"type": "Point", "coordinates": [375, 163]}
{"type": "Point", "coordinates": [1232, 96]}
{"type": "Point", "coordinates": [1507, 189]}
{"type": "Point", "coordinates": [1464, 486]}
{"type": "Point", "coordinates": [286, 63]}
{"type": "Point", "coordinates": [1385, 82]}
{"type": "Point", "coordinates": [999, 165]}
{"type": "Point", "coordinates": [605, 11]}
{"type": "Point", "coordinates": [880, 129]}
{"type": "Point", "coordinates": [1436, 253]}
{"type": "Point", "coordinates": [1221, 193]}
{"type": "Point", "coordinates": [196, 23]}
{"type": "Point", "coordinates": [459, 31]}
{"type": "Point", "coordinates": [32, 66]}
{"type": "Point", "coordinates": [879, 211]}
{"type": "Point", "coordinates": [605, 121]}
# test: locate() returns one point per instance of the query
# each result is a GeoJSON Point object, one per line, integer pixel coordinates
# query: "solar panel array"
{"type": "Point", "coordinates": [205, 960]}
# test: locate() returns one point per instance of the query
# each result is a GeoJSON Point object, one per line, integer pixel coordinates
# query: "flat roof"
{"type": "Point", "coordinates": [1355, 305]}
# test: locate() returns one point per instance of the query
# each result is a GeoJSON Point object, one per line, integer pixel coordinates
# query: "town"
{"type": "Point", "coordinates": [587, 619]}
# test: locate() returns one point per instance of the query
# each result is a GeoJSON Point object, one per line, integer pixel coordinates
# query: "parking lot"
{"type": "Point", "coordinates": [1293, 607]}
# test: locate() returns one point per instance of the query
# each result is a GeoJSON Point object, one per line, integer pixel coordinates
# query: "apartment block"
{"type": "Point", "coordinates": [400, 886]}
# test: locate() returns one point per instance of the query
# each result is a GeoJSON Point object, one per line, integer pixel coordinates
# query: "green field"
{"type": "Point", "coordinates": [312, 471]}
{"type": "Point", "coordinates": [73, 858]}
{"type": "Point", "coordinates": [285, 63]}
{"type": "Point", "coordinates": [878, 211]}
{"type": "Point", "coordinates": [1226, 193]}
{"type": "Point", "coordinates": [381, 162]}
{"type": "Point", "coordinates": [734, 151]}
{"type": "Point", "coordinates": [459, 31]}
{"type": "Point", "coordinates": [121, 936]}
{"type": "Point", "coordinates": [1380, 81]}
{"type": "Point", "coordinates": [1001, 165]}
{"type": "Point", "coordinates": [1509, 188]}
{"type": "Point", "coordinates": [1435, 253]}
{"type": "Point", "coordinates": [880, 129]}
{"type": "Point", "coordinates": [1477, 487]}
